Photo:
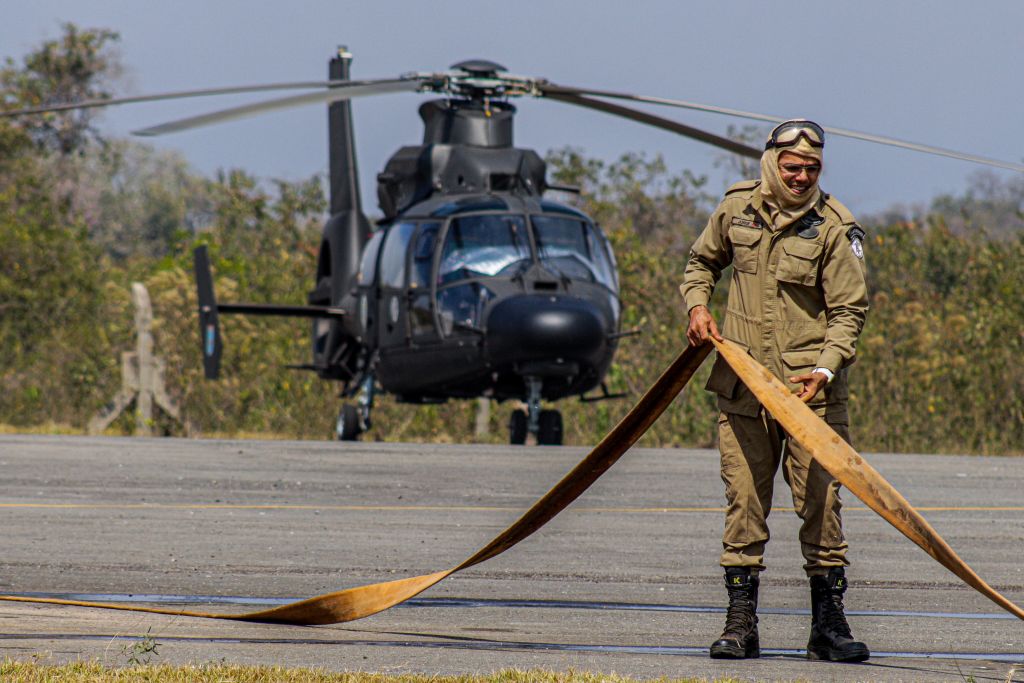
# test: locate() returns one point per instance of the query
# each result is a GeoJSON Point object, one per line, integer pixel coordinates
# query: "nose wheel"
{"type": "Point", "coordinates": [348, 427]}
{"type": "Point", "coordinates": [353, 420]}
{"type": "Point", "coordinates": [545, 425]}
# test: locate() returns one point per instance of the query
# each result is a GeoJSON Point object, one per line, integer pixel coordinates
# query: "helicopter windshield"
{"type": "Point", "coordinates": [572, 248]}
{"type": "Point", "coordinates": [482, 246]}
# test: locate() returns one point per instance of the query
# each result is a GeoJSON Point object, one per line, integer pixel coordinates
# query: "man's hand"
{"type": "Point", "coordinates": [812, 384]}
{"type": "Point", "coordinates": [702, 326]}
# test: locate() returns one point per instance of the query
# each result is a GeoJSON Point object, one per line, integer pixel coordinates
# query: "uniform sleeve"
{"type": "Point", "coordinates": [709, 256]}
{"type": "Point", "coordinates": [844, 281]}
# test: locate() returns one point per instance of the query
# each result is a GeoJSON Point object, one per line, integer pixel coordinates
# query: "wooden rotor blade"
{"type": "Point", "coordinates": [346, 90]}
{"type": "Point", "coordinates": [550, 90]}
{"type": "Point", "coordinates": [355, 603]}
{"type": "Point", "coordinates": [656, 121]}
{"type": "Point", "coordinates": [850, 469]}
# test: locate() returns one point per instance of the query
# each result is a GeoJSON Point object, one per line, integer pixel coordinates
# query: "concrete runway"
{"type": "Point", "coordinates": [625, 580]}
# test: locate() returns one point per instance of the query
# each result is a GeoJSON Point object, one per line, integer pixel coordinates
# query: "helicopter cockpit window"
{"type": "Point", "coordinates": [482, 246]}
{"type": "Point", "coordinates": [462, 307]}
{"type": "Point", "coordinates": [572, 248]}
{"type": "Point", "coordinates": [423, 255]}
{"type": "Point", "coordinates": [368, 265]}
{"type": "Point", "coordinates": [604, 259]}
{"type": "Point", "coordinates": [392, 259]}
{"type": "Point", "coordinates": [421, 311]}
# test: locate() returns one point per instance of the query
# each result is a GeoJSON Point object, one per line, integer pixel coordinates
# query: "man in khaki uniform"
{"type": "Point", "coordinates": [797, 302]}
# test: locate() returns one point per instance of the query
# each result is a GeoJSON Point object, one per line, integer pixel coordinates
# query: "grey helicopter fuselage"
{"type": "Point", "coordinates": [476, 294]}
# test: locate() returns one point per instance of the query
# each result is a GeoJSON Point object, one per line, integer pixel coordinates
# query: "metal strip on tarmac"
{"type": "Point", "coordinates": [509, 646]}
{"type": "Point", "coordinates": [477, 603]}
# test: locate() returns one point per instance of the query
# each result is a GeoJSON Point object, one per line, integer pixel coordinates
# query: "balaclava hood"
{"type": "Point", "coordinates": [785, 207]}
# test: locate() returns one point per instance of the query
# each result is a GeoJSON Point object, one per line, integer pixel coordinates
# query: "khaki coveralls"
{"type": "Point", "coordinates": [797, 301]}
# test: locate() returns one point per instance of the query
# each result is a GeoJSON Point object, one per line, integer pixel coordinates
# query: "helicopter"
{"type": "Point", "coordinates": [473, 283]}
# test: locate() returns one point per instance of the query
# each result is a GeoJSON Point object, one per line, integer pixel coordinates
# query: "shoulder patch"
{"type": "Point", "coordinates": [743, 186]}
{"type": "Point", "coordinates": [856, 236]}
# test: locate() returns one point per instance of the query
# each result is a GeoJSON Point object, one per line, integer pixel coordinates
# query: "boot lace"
{"type": "Point", "coordinates": [739, 617]}
{"type": "Point", "coordinates": [833, 617]}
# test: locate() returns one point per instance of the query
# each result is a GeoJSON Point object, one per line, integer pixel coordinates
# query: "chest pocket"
{"type": "Point", "coordinates": [799, 261]}
{"type": "Point", "coordinates": [744, 247]}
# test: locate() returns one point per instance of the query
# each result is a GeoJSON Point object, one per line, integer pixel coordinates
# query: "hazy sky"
{"type": "Point", "coordinates": [942, 72]}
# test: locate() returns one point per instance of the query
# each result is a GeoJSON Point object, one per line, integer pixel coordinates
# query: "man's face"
{"type": "Point", "coordinates": [798, 172]}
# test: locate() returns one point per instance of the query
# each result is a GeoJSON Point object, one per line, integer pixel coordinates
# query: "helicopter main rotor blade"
{"type": "Point", "coordinates": [173, 95]}
{"type": "Point", "coordinates": [658, 122]}
{"type": "Point", "coordinates": [551, 90]}
{"type": "Point", "coordinates": [337, 92]}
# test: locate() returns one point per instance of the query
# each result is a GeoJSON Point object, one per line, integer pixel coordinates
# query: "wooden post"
{"type": "Point", "coordinates": [483, 417]}
{"type": "Point", "coordinates": [144, 353]}
{"type": "Point", "coordinates": [142, 376]}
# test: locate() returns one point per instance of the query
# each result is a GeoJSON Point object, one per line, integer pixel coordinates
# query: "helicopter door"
{"type": "Point", "coordinates": [367, 306]}
{"type": "Point", "coordinates": [422, 323]}
{"type": "Point", "coordinates": [393, 305]}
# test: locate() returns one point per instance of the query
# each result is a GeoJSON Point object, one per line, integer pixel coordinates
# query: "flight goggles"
{"type": "Point", "coordinates": [789, 133]}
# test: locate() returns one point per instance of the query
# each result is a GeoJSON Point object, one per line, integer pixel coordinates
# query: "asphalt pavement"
{"type": "Point", "coordinates": [625, 580]}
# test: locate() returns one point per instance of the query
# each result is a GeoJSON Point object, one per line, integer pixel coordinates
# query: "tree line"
{"type": "Point", "coordinates": [83, 215]}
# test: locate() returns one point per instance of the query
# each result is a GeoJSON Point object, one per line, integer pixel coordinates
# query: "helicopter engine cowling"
{"type": "Point", "coordinates": [467, 149]}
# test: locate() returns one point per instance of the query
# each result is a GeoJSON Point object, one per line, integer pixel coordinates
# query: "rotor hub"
{"type": "Point", "coordinates": [478, 79]}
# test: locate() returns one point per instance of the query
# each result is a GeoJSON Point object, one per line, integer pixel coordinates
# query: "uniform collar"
{"type": "Point", "coordinates": [757, 208]}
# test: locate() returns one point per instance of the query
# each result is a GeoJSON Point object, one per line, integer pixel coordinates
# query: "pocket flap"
{"type": "Point", "coordinates": [801, 248]}
{"type": "Point", "coordinates": [800, 359]}
{"type": "Point", "coordinates": [744, 236]}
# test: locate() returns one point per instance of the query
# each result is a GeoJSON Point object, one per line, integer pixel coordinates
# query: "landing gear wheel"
{"type": "Point", "coordinates": [549, 428]}
{"type": "Point", "coordinates": [348, 427]}
{"type": "Point", "coordinates": [517, 428]}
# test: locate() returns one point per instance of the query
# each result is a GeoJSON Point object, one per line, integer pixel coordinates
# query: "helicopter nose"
{"type": "Point", "coordinates": [535, 326]}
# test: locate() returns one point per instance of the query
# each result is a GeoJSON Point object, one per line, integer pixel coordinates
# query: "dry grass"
{"type": "Point", "coordinates": [42, 428]}
{"type": "Point", "coordinates": [93, 672]}
{"type": "Point", "coordinates": [58, 429]}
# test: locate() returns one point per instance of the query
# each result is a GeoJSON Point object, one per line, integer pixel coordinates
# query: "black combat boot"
{"type": "Point", "coordinates": [739, 639]}
{"type": "Point", "coordinates": [830, 634]}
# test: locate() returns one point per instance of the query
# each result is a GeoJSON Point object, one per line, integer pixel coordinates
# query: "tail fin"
{"type": "Point", "coordinates": [209, 326]}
